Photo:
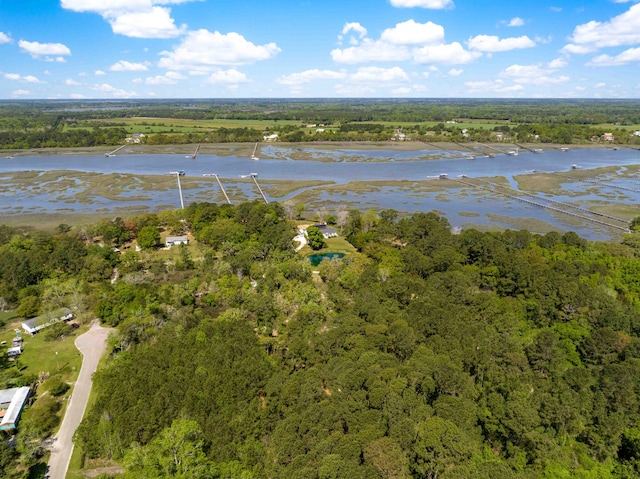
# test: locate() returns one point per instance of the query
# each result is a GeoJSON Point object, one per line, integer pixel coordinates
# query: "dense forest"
{"type": "Point", "coordinates": [423, 354]}
{"type": "Point", "coordinates": [49, 124]}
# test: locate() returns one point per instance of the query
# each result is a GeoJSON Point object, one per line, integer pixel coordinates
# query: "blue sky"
{"type": "Point", "coordinates": [68, 49]}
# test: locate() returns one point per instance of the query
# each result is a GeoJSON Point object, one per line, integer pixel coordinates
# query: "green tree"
{"type": "Point", "coordinates": [148, 237]}
{"type": "Point", "coordinates": [315, 238]}
{"type": "Point", "coordinates": [176, 452]}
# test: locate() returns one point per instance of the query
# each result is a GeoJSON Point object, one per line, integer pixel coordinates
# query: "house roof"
{"type": "Point", "coordinates": [171, 239]}
{"type": "Point", "coordinates": [18, 396]}
{"type": "Point", "coordinates": [44, 318]}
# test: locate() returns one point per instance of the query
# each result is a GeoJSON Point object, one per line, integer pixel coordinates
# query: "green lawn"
{"type": "Point", "coordinates": [40, 355]}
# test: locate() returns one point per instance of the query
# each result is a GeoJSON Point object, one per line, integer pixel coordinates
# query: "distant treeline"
{"type": "Point", "coordinates": [42, 124]}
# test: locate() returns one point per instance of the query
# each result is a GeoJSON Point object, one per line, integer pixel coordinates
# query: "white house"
{"type": "Point", "coordinates": [176, 240]}
{"type": "Point", "coordinates": [11, 403]}
{"type": "Point", "coordinates": [324, 229]}
{"type": "Point", "coordinates": [272, 137]}
{"type": "Point", "coordinates": [33, 325]}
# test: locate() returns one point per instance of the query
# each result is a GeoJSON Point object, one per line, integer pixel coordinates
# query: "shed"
{"type": "Point", "coordinates": [14, 352]}
{"type": "Point", "coordinates": [12, 402]}
{"type": "Point", "coordinates": [175, 240]}
{"type": "Point", "coordinates": [34, 325]}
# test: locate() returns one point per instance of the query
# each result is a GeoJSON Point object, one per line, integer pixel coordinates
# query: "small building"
{"type": "Point", "coordinates": [326, 231]}
{"type": "Point", "coordinates": [176, 240]}
{"type": "Point", "coordinates": [272, 137]}
{"type": "Point", "coordinates": [14, 351]}
{"type": "Point", "coordinates": [12, 402]}
{"type": "Point", "coordinates": [607, 136]}
{"type": "Point", "coordinates": [33, 325]}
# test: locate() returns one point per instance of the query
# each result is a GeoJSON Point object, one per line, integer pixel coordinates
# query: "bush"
{"type": "Point", "coordinates": [56, 386]}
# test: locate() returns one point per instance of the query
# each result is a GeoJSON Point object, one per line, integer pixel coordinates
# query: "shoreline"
{"type": "Point", "coordinates": [244, 149]}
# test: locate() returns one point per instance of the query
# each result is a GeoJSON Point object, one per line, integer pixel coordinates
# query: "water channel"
{"type": "Point", "coordinates": [338, 166]}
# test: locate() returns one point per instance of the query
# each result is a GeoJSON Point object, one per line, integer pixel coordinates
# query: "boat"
{"type": "Point", "coordinates": [538, 150]}
{"type": "Point", "coordinates": [513, 152]}
{"type": "Point", "coordinates": [564, 148]}
{"type": "Point", "coordinates": [253, 155]}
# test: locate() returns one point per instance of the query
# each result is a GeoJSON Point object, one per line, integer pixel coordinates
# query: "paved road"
{"type": "Point", "coordinates": [92, 345]}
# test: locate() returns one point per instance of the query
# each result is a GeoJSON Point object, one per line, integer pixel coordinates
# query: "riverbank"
{"type": "Point", "coordinates": [245, 149]}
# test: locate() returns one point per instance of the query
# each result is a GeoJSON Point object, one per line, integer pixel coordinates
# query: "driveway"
{"type": "Point", "coordinates": [92, 345]}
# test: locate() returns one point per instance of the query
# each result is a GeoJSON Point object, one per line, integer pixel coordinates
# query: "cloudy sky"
{"type": "Point", "coordinates": [52, 49]}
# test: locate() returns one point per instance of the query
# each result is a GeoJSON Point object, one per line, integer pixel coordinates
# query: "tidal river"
{"type": "Point", "coordinates": [338, 167]}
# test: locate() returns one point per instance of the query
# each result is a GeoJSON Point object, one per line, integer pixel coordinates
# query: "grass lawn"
{"type": "Point", "coordinates": [40, 355]}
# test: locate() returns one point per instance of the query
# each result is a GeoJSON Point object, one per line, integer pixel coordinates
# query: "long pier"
{"type": "Point", "coordinates": [532, 150]}
{"type": "Point", "coordinates": [541, 205]}
{"type": "Point", "coordinates": [556, 202]}
{"type": "Point", "coordinates": [195, 153]}
{"type": "Point", "coordinates": [113, 153]}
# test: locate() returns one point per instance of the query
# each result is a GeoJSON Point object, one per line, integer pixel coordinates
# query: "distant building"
{"type": "Point", "coordinates": [607, 136]}
{"type": "Point", "coordinates": [176, 240]}
{"type": "Point", "coordinates": [12, 402]}
{"type": "Point", "coordinates": [325, 230]}
{"type": "Point", "coordinates": [272, 137]}
{"type": "Point", "coordinates": [33, 325]}
{"type": "Point", "coordinates": [135, 138]}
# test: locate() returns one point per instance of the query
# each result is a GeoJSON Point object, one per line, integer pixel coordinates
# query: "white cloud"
{"type": "Point", "coordinates": [422, 42]}
{"type": "Point", "coordinates": [155, 23]}
{"type": "Point", "coordinates": [447, 54]}
{"type": "Point", "coordinates": [231, 76]}
{"type": "Point", "coordinates": [309, 76]}
{"type": "Point", "coordinates": [99, 73]}
{"type": "Point", "coordinates": [497, 86]}
{"type": "Point", "coordinates": [354, 27]}
{"type": "Point", "coordinates": [113, 92]}
{"type": "Point", "coordinates": [378, 75]}
{"type": "Point", "coordinates": [169, 78]}
{"type": "Point", "coordinates": [557, 63]}
{"type": "Point", "coordinates": [628, 56]}
{"type": "Point", "coordinates": [36, 49]}
{"type": "Point", "coordinates": [371, 50]}
{"type": "Point", "coordinates": [412, 33]}
{"type": "Point", "coordinates": [533, 74]}
{"type": "Point", "coordinates": [4, 38]}
{"type": "Point", "coordinates": [623, 29]}
{"type": "Point", "coordinates": [432, 4]}
{"type": "Point", "coordinates": [491, 43]}
{"type": "Point", "coordinates": [202, 51]}
{"type": "Point", "coordinates": [516, 22]}
{"type": "Point", "coordinates": [20, 78]}
{"type": "Point", "coordinates": [125, 66]}
{"type": "Point", "coordinates": [454, 72]}
{"type": "Point", "coordinates": [600, 85]}
{"type": "Point", "coordinates": [17, 93]}
{"type": "Point", "coordinates": [132, 18]}
{"type": "Point", "coordinates": [77, 96]}
{"type": "Point", "coordinates": [72, 82]}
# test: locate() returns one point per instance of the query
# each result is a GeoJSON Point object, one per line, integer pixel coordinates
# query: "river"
{"type": "Point", "coordinates": [338, 166]}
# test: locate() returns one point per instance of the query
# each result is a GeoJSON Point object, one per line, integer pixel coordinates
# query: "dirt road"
{"type": "Point", "coordinates": [92, 345]}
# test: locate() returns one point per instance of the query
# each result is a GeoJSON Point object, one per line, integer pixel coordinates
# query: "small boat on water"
{"type": "Point", "coordinates": [253, 155]}
{"type": "Point", "coordinates": [564, 148]}
{"type": "Point", "coordinates": [537, 150]}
